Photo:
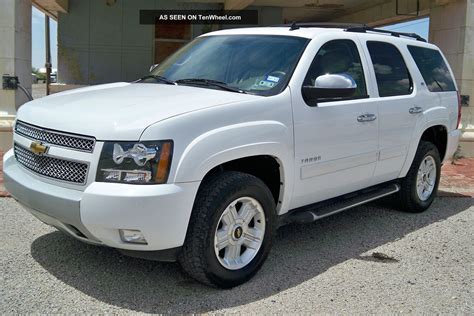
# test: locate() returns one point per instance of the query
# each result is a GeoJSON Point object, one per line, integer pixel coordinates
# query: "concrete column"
{"type": "Point", "coordinates": [15, 59]}
{"type": "Point", "coordinates": [452, 30]}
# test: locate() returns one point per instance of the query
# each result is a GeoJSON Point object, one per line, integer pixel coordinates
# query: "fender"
{"type": "Point", "coordinates": [209, 137]}
{"type": "Point", "coordinates": [431, 117]}
{"type": "Point", "coordinates": [236, 141]}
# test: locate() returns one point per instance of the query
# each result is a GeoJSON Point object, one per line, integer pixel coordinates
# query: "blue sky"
{"type": "Point", "coordinates": [37, 41]}
{"type": "Point", "coordinates": [419, 26]}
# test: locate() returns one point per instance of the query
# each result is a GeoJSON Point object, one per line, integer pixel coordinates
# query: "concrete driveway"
{"type": "Point", "coordinates": [369, 259]}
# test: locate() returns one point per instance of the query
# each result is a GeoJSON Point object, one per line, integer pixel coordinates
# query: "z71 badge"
{"type": "Point", "coordinates": [310, 159]}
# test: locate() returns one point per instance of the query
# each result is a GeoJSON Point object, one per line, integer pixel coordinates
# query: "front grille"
{"type": "Point", "coordinates": [76, 142]}
{"type": "Point", "coordinates": [60, 169]}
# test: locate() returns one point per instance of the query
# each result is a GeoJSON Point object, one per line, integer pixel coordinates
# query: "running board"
{"type": "Point", "coordinates": [313, 212]}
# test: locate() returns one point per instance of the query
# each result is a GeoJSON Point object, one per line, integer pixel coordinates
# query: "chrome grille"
{"type": "Point", "coordinates": [76, 142]}
{"type": "Point", "coordinates": [64, 170]}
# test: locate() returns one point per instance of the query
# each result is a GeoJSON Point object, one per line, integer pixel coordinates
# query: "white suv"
{"type": "Point", "coordinates": [237, 133]}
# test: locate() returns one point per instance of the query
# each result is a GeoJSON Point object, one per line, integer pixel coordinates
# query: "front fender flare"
{"type": "Point", "coordinates": [232, 142]}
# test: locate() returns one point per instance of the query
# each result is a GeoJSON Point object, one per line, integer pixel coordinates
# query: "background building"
{"type": "Point", "coordinates": [102, 41]}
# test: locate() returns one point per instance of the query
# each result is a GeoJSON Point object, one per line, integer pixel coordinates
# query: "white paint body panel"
{"type": "Point", "coordinates": [210, 127]}
{"type": "Point", "coordinates": [120, 111]}
{"type": "Point", "coordinates": [160, 212]}
{"type": "Point", "coordinates": [346, 149]}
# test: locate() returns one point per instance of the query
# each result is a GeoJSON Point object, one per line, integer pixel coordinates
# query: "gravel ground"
{"type": "Point", "coordinates": [370, 259]}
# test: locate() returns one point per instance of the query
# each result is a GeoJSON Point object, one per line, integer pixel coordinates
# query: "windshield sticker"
{"type": "Point", "coordinates": [273, 79]}
{"type": "Point", "coordinates": [266, 83]}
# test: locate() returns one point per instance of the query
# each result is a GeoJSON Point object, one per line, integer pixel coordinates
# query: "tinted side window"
{"type": "Point", "coordinates": [391, 71]}
{"type": "Point", "coordinates": [336, 57]}
{"type": "Point", "coordinates": [433, 69]}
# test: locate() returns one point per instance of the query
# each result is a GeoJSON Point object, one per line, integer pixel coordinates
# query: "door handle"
{"type": "Point", "coordinates": [366, 117]}
{"type": "Point", "coordinates": [415, 110]}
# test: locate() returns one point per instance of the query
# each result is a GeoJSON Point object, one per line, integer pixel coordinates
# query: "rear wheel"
{"type": "Point", "coordinates": [230, 231]}
{"type": "Point", "coordinates": [419, 187]}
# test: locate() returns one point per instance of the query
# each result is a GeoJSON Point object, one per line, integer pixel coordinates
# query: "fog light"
{"type": "Point", "coordinates": [132, 236]}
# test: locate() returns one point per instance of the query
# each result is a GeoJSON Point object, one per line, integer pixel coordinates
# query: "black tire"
{"type": "Point", "coordinates": [408, 199]}
{"type": "Point", "coordinates": [198, 257]}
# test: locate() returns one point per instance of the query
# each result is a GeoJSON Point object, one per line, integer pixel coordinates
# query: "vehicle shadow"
{"type": "Point", "coordinates": [300, 252]}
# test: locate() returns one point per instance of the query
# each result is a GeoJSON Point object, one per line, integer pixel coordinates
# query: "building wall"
{"type": "Point", "coordinates": [15, 50]}
{"type": "Point", "coordinates": [266, 16]}
{"type": "Point", "coordinates": [100, 43]}
{"type": "Point", "coordinates": [15, 59]}
{"type": "Point", "coordinates": [452, 29]}
{"type": "Point", "coordinates": [385, 12]}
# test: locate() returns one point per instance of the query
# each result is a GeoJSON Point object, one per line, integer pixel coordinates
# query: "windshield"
{"type": "Point", "coordinates": [258, 64]}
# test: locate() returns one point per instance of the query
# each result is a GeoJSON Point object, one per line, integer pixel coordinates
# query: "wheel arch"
{"type": "Point", "coordinates": [437, 135]}
{"type": "Point", "coordinates": [434, 132]}
{"type": "Point", "coordinates": [267, 168]}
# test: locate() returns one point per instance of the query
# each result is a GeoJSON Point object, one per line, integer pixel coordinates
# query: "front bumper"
{"type": "Point", "coordinates": [160, 212]}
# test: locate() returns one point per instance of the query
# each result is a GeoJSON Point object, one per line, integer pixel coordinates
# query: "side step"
{"type": "Point", "coordinates": [313, 212]}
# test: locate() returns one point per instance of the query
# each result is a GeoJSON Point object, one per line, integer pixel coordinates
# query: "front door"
{"type": "Point", "coordinates": [335, 140]}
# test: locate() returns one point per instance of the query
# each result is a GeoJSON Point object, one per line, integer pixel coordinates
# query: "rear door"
{"type": "Point", "coordinates": [398, 106]}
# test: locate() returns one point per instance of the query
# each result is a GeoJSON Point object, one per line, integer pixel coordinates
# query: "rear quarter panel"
{"type": "Point", "coordinates": [440, 108]}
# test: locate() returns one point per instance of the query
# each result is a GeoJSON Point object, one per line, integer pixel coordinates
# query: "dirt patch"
{"type": "Point", "coordinates": [457, 179]}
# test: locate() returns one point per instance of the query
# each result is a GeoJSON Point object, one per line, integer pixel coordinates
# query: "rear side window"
{"type": "Point", "coordinates": [390, 69]}
{"type": "Point", "coordinates": [433, 69]}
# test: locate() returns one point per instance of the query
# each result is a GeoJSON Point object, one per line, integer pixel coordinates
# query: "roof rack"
{"type": "Point", "coordinates": [365, 29]}
{"type": "Point", "coordinates": [295, 25]}
{"type": "Point", "coordinates": [349, 27]}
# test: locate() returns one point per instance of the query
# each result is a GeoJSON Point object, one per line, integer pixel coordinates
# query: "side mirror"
{"type": "Point", "coordinates": [330, 86]}
{"type": "Point", "coordinates": [152, 67]}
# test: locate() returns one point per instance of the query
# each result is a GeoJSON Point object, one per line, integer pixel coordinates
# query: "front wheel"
{"type": "Point", "coordinates": [230, 231]}
{"type": "Point", "coordinates": [420, 185]}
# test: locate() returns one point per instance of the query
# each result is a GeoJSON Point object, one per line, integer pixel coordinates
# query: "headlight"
{"type": "Point", "coordinates": [132, 162]}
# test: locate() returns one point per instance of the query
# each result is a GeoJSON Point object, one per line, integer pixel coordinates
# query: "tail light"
{"type": "Point", "coordinates": [458, 125]}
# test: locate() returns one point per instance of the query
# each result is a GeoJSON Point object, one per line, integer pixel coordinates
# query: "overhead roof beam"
{"type": "Point", "coordinates": [52, 7]}
{"type": "Point", "coordinates": [237, 4]}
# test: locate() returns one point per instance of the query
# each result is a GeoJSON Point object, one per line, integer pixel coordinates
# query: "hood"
{"type": "Point", "coordinates": [120, 111]}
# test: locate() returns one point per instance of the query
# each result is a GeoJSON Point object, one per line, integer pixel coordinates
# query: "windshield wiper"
{"type": "Point", "coordinates": [209, 82]}
{"type": "Point", "coordinates": [160, 79]}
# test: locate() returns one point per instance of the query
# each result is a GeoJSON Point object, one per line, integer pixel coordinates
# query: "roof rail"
{"type": "Point", "coordinates": [349, 27]}
{"type": "Point", "coordinates": [365, 29]}
{"type": "Point", "coordinates": [296, 25]}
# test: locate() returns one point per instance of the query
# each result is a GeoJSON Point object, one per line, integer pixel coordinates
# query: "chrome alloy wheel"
{"type": "Point", "coordinates": [426, 178]}
{"type": "Point", "coordinates": [239, 234]}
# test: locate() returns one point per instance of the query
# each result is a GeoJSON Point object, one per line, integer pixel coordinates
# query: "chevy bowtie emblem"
{"type": "Point", "coordinates": [38, 148]}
